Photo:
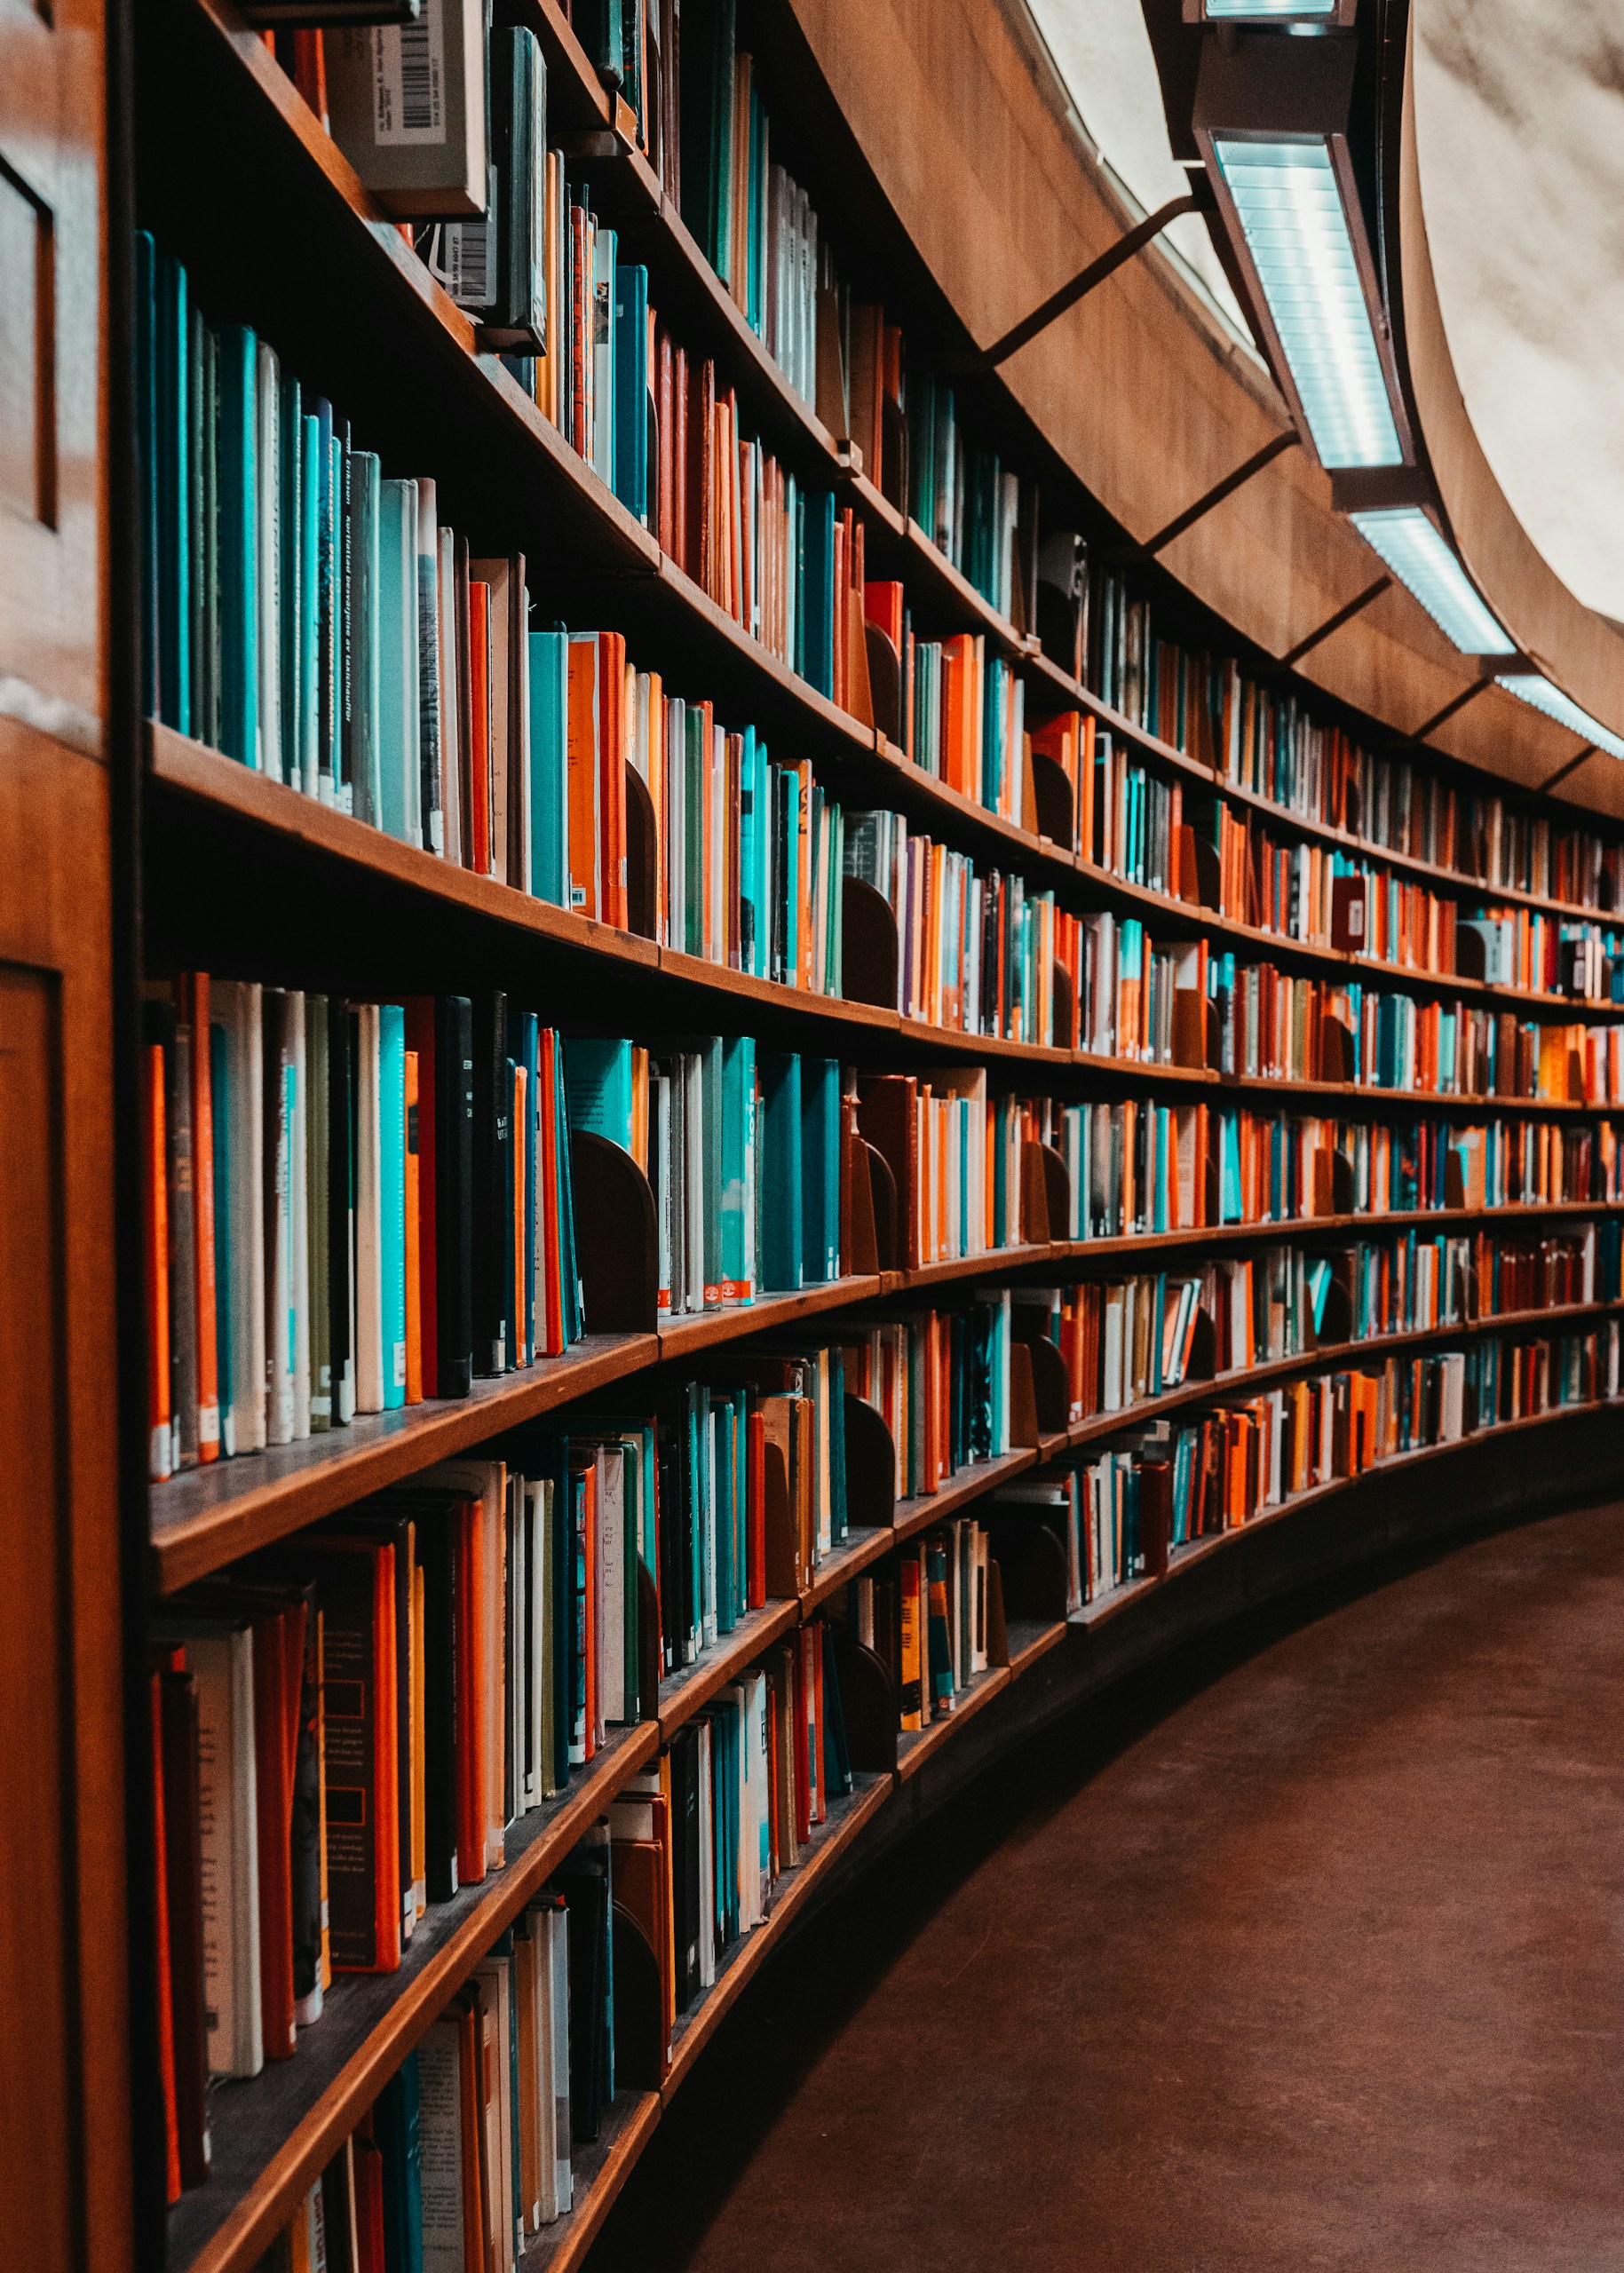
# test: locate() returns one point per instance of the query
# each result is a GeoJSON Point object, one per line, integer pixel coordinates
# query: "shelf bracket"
{"type": "Point", "coordinates": [1049, 311]}
{"type": "Point", "coordinates": [1571, 767]}
{"type": "Point", "coordinates": [1458, 703]}
{"type": "Point", "coordinates": [1335, 623]}
{"type": "Point", "coordinates": [1219, 491]}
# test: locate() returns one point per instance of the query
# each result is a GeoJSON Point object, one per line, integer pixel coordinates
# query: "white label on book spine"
{"type": "Point", "coordinates": [409, 81]}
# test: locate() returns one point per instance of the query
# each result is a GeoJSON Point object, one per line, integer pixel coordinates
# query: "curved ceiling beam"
{"type": "Point", "coordinates": [1582, 652]}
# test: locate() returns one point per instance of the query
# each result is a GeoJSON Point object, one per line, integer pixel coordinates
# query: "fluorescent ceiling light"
{"type": "Point", "coordinates": [1262, 9]}
{"type": "Point", "coordinates": [1533, 687]}
{"type": "Point", "coordinates": [1419, 557]}
{"type": "Point", "coordinates": [1291, 213]}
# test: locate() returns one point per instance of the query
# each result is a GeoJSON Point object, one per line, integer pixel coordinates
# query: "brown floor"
{"type": "Point", "coordinates": [1318, 1965]}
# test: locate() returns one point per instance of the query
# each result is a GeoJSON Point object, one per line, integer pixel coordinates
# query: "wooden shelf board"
{"type": "Point", "coordinates": [688, 1691]}
{"type": "Point", "coordinates": [848, 1561]}
{"type": "Point", "coordinates": [917, 1746]}
{"type": "Point", "coordinates": [845, 1819]}
{"type": "Point", "coordinates": [698, 970]}
{"type": "Point", "coordinates": [963, 1485]}
{"type": "Point", "coordinates": [1030, 1639]}
{"type": "Point", "coordinates": [684, 1337]}
{"type": "Point", "coordinates": [273, 2135]}
{"type": "Point", "coordinates": [599, 2169]}
{"type": "Point", "coordinates": [209, 1516]}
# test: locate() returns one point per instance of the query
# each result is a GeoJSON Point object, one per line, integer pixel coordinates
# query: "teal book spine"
{"type": "Point", "coordinates": [239, 594]}
{"type": "Point", "coordinates": [711, 1092]}
{"type": "Point", "coordinates": [292, 576]}
{"type": "Point", "coordinates": [781, 1172]}
{"type": "Point", "coordinates": [821, 1168]}
{"type": "Point", "coordinates": [750, 824]}
{"type": "Point", "coordinates": [398, 706]}
{"type": "Point", "coordinates": [550, 766]}
{"type": "Point", "coordinates": [397, 2125]}
{"type": "Point", "coordinates": [391, 1184]}
{"type": "Point", "coordinates": [631, 389]}
{"type": "Point", "coordinates": [365, 570]}
{"type": "Point", "coordinates": [790, 856]}
{"type": "Point", "coordinates": [597, 1085]}
{"type": "Point", "coordinates": [174, 486]}
{"type": "Point", "coordinates": [724, 1421]}
{"type": "Point", "coordinates": [310, 607]}
{"type": "Point", "coordinates": [738, 1141]}
{"type": "Point", "coordinates": [327, 603]}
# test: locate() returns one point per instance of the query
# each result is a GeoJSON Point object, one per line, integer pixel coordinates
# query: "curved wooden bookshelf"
{"type": "Point", "coordinates": [273, 2135]}
{"type": "Point", "coordinates": [1265, 568]}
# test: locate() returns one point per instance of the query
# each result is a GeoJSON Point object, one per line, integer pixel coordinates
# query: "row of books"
{"type": "Point", "coordinates": [1268, 742]}
{"type": "Point", "coordinates": [1277, 1026]}
{"type": "Point", "coordinates": [973, 508]}
{"type": "Point", "coordinates": [940, 1379]}
{"type": "Point", "coordinates": [980, 951]}
{"type": "Point", "coordinates": [1169, 1483]}
{"type": "Point", "coordinates": [962, 711]}
{"type": "Point", "coordinates": [349, 1208]}
{"type": "Point", "coordinates": [924, 1613]}
{"type": "Point", "coordinates": [467, 2156]}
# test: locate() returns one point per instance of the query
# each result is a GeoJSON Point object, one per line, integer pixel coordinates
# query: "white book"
{"type": "Point", "coordinates": [540, 1634]}
{"type": "Point", "coordinates": [220, 1657]}
{"type": "Point", "coordinates": [236, 1011]}
{"type": "Point", "coordinates": [554, 1976]}
{"type": "Point", "coordinates": [368, 1229]}
{"type": "Point", "coordinates": [450, 708]}
{"type": "Point", "coordinates": [494, 1980]}
{"type": "Point", "coordinates": [439, 2142]}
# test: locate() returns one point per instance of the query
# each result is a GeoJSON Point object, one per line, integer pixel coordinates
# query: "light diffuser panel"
{"type": "Point", "coordinates": [1419, 557]}
{"type": "Point", "coordinates": [1533, 687]}
{"type": "Point", "coordinates": [1291, 213]}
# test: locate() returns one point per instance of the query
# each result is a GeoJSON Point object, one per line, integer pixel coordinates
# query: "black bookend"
{"type": "Point", "coordinates": [615, 1245]}
{"type": "Point", "coordinates": [883, 1191]}
{"type": "Point", "coordinates": [1155, 1517]}
{"type": "Point", "coordinates": [1051, 1387]}
{"type": "Point", "coordinates": [893, 453]}
{"type": "Point", "coordinates": [871, 1467]}
{"type": "Point", "coordinates": [1454, 1183]}
{"type": "Point", "coordinates": [1189, 1028]}
{"type": "Point", "coordinates": [1051, 794]}
{"type": "Point", "coordinates": [868, 1705]}
{"type": "Point", "coordinates": [1341, 1183]}
{"type": "Point", "coordinates": [1203, 1349]}
{"type": "Point", "coordinates": [1057, 1191]}
{"type": "Point", "coordinates": [639, 2007]}
{"type": "Point", "coordinates": [1209, 1182]}
{"type": "Point", "coordinates": [1032, 1561]}
{"type": "Point", "coordinates": [1335, 1049]}
{"type": "Point", "coordinates": [648, 1644]}
{"type": "Point", "coordinates": [642, 865]}
{"type": "Point", "coordinates": [1198, 879]}
{"type": "Point", "coordinates": [1024, 1431]}
{"type": "Point", "coordinates": [1034, 1196]}
{"type": "Point", "coordinates": [884, 682]}
{"type": "Point", "coordinates": [1336, 1318]}
{"type": "Point", "coordinates": [1065, 1010]}
{"type": "Point", "coordinates": [783, 1577]}
{"type": "Point", "coordinates": [1471, 953]}
{"type": "Point", "coordinates": [868, 945]}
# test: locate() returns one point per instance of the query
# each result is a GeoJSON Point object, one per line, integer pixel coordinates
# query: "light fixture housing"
{"type": "Point", "coordinates": [1271, 120]}
{"type": "Point", "coordinates": [1536, 689]}
{"type": "Point", "coordinates": [1308, 15]}
{"type": "Point", "coordinates": [1424, 560]}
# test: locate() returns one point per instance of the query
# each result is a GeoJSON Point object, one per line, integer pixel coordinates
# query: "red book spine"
{"type": "Point", "coordinates": [480, 725]}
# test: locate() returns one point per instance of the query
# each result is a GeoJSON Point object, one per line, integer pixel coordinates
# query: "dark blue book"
{"type": "Point", "coordinates": [396, 2127]}
{"type": "Point", "coordinates": [172, 347]}
{"type": "Point", "coordinates": [236, 487]}
{"type": "Point", "coordinates": [820, 1183]}
{"type": "Point", "coordinates": [780, 1170]}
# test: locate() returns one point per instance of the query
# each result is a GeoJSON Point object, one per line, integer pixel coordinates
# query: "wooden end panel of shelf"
{"type": "Point", "coordinates": [684, 1337]}
{"type": "Point", "coordinates": [848, 1561]}
{"type": "Point", "coordinates": [829, 1838]}
{"type": "Point", "coordinates": [965, 1485]}
{"type": "Point", "coordinates": [209, 1516]}
{"type": "Point", "coordinates": [1030, 1639]}
{"type": "Point", "coordinates": [273, 2135]}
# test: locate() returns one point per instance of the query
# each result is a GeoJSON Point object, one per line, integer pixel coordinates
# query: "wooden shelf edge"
{"type": "Point", "coordinates": [251, 2222]}
{"type": "Point", "coordinates": [919, 1745]}
{"type": "Point", "coordinates": [688, 1691]}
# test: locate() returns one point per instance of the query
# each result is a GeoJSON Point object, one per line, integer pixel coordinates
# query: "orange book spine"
{"type": "Point", "coordinates": [582, 761]}
{"type": "Point", "coordinates": [194, 1010]}
{"type": "Point", "coordinates": [612, 789]}
{"type": "Point", "coordinates": [470, 1732]}
{"type": "Point", "coordinates": [413, 1248]}
{"type": "Point", "coordinates": [161, 1435]}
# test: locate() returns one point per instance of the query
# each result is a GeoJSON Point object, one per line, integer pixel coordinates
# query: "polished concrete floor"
{"type": "Point", "coordinates": [1316, 1959]}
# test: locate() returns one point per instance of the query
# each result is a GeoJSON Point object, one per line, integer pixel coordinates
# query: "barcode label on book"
{"type": "Point", "coordinates": [409, 80]}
